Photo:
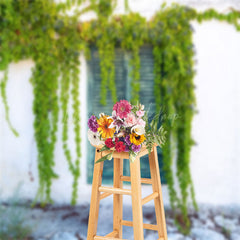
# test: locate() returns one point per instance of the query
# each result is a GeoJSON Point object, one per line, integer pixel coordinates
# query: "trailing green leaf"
{"type": "Point", "coordinates": [132, 156]}
{"type": "Point", "coordinates": [104, 158]}
{"type": "Point", "coordinates": [3, 84]}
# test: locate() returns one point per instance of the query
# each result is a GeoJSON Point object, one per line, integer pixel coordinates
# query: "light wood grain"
{"type": "Point", "coordinates": [156, 186]}
{"type": "Point", "coordinates": [112, 234]}
{"type": "Point", "coordinates": [104, 195]}
{"type": "Point", "coordinates": [95, 197]}
{"type": "Point", "coordinates": [117, 198]}
{"type": "Point", "coordinates": [149, 198]}
{"type": "Point", "coordinates": [124, 155]}
{"type": "Point", "coordinates": [107, 238]}
{"type": "Point", "coordinates": [136, 199]}
{"type": "Point", "coordinates": [115, 190]}
{"type": "Point", "coordinates": [145, 225]}
{"type": "Point", "coordinates": [143, 180]}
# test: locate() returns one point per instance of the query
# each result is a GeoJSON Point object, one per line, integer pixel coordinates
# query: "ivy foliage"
{"type": "Point", "coordinates": [133, 34]}
{"type": "Point", "coordinates": [38, 30]}
{"type": "Point", "coordinates": [43, 31]}
{"type": "Point", "coordinates": [173, 66]}
{"type": "Point", "coordinates": [3, 85]}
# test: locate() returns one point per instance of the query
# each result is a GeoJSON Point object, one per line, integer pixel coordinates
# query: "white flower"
{"type": "Point", "coordinates": [138, 129]}
{"type": "Point", "coordinates": [141, 107]}
{"type": "Point", "coordinates": [141, 122]}
{"type": "Point", "coordinates": [117, 121]}
{"type": "Point", "coordinates": [114, 114]}
{"type": "Point", "coordinates": [94, 138]}
{"type": "Point", "coordinates": [120, 134]}
{"type": "Point", "coordinates": [101, 114]}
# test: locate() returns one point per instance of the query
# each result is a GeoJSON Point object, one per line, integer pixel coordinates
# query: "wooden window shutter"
{"type": "Point", "coordinates": [124, 92]}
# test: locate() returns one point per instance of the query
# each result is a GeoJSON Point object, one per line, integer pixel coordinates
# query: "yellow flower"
{"type": "Point", "coordinates": [137, 139]}
{"type": "Point", "coordinates": [103, 128]}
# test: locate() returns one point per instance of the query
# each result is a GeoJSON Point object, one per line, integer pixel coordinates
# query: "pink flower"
{"type": "Point", "coordinates": [122, 108]}
{"type": "Point", "coordinates": [140, 113]}
{"type": "Point", "coordinates": [130, 120]}
{"type": "Point", "coordinates": [141, 122]}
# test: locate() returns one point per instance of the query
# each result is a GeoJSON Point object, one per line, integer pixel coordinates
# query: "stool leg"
{"type": "Point", "coordinates": [95, 198]}
{"type": "Point", "coordinates": [158, 202]}
{"type": "Point", "coordinates": [117, 198]}
{"type": "Point", "coordinates": [136, 199]}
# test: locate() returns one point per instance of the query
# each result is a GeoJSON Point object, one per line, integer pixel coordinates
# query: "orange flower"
{"type": "Point", "coordinates": [103, 128]}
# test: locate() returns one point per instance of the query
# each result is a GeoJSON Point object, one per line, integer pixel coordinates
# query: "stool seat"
{"type": "Point", "coordinates": [100, 192]}
{"type": "Point", "coordinates": [124, 155]}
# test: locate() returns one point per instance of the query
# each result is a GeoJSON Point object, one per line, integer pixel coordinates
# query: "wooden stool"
{"type": "Point", "coordinates": [99, 192]}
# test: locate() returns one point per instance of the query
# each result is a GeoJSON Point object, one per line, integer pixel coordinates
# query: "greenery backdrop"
{"type": "Point", "coordinates": [44, 31]}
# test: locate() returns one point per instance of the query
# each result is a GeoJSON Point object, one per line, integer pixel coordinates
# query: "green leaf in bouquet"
{"type": "Point", "coordinates": [154, 124]}
{"type": "Point", "coordinates": [104, 148]}
{"type": "Point", "coordinates": [158, 140]}
{"type": "Point", "coordinates": [107, 157]}
{"type": "Point", "coordinates": [161, 136]}
{"type": "Point", "coordinates": [132, 156]}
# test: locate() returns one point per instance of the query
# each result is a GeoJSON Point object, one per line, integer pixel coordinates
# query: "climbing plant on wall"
{"type": "Point", "coordinates": [173, 53]}
{"type": "Point", "coordinates": [35, 29]}
{"type": "Point", "coordinates": [43, 31]}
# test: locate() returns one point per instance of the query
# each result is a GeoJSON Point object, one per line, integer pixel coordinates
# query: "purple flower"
{"type": "Point", "coordinates": [92, 123]}
{"type": "Point", "coordinates": [127, 140]}
{"type": "Point", "coordinates": [118, 122]}
{"type": "Point", "coordinates": [136, 148]}
{"type": "Point", "coordinates": [126, 148]}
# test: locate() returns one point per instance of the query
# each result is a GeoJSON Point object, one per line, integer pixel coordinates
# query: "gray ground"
{"type": "Point", "coordinates": [63, 222]}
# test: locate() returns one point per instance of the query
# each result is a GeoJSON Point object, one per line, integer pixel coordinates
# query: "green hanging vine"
{"type": "Point", "coordinates": [37, 29]}
{"type": "Point", "coordinates": [70, 87]}
{"type": "Point", "coordinates": [45, 86]}
{"type": "Point", "coordinates": [3, 84]}
{"type": "Point", "coordinates": [5, 59]}
{"type": "Point", "coordinates": [42, 30]}
{"type": "Point", "coordinates": [174, 89]}
{"type": "Point", "coordinates": [106, 51]}
{"type": "Point", "coordinates": [132, 36]}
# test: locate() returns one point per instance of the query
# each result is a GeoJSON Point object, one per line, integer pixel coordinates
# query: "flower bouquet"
{"type": "Point", "coordinates": [127, 130]}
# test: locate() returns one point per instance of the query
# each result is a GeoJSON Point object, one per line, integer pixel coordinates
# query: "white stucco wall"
{"type": "Point", "coordinates": [215, 161]}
